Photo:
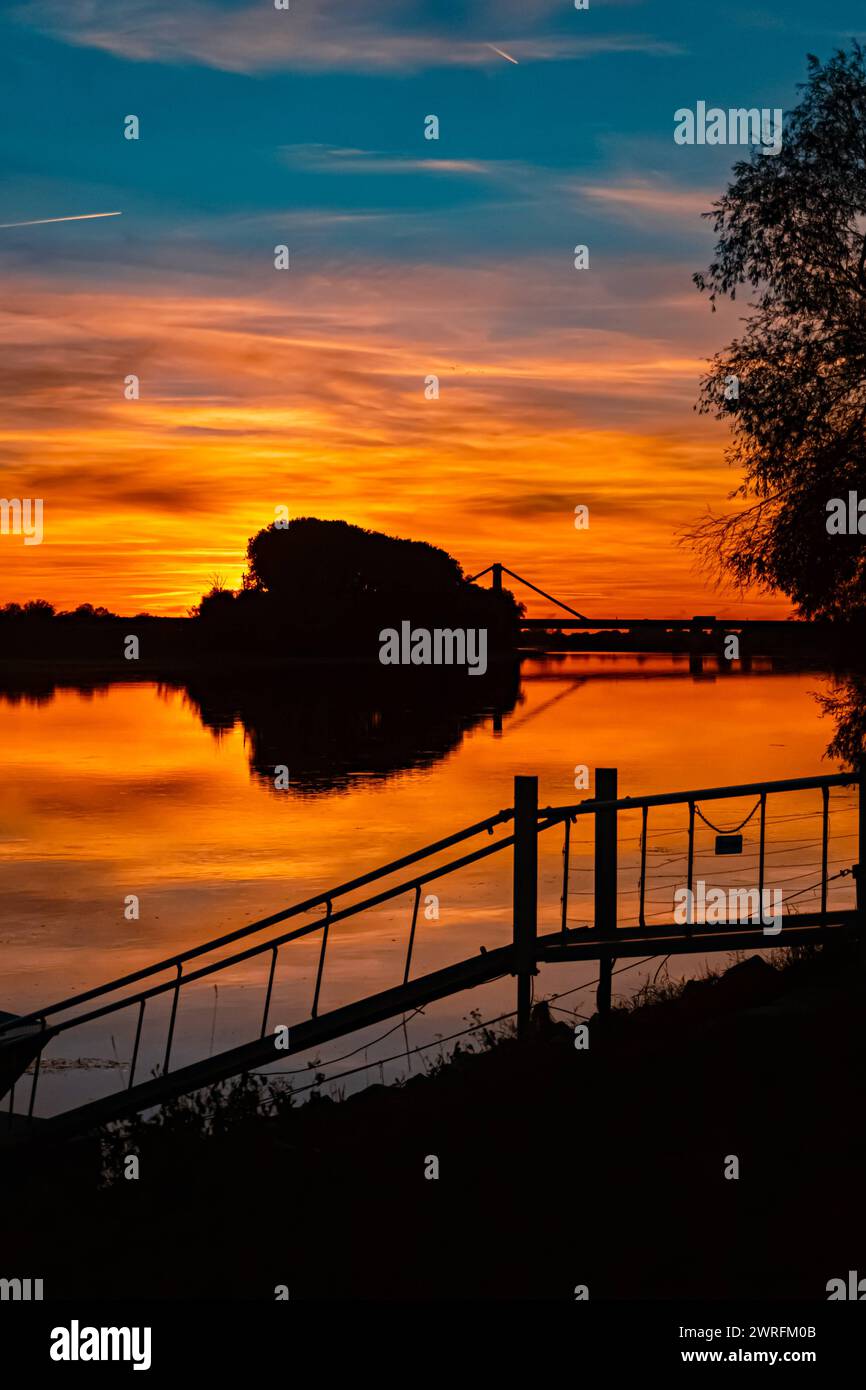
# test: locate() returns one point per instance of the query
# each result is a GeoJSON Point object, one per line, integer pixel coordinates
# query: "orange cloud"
{"type": "Point", "coordinates": [309, 391]}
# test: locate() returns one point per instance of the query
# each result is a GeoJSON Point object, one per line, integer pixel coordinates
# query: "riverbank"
{"type": "Point", "coordinates": [114, 648]}
{"type": "Point", "coordinates": [559, 1167]}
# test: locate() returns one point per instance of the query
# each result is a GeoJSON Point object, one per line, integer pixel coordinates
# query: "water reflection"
{"type": "Point", "coordinates": [166, 791]}
{"type": "Point", "coordinates": [325, 723]}
{"type": "Point", "coordinates": [330, 724]}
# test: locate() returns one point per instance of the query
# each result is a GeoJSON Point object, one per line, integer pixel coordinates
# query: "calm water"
{"type": "Point", "coordinates": [168, 794]}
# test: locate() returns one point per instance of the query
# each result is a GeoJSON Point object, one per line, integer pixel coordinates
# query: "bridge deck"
{"type": "Point", "coordinates": [673, 624]}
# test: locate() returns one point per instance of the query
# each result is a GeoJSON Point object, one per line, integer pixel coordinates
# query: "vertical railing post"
{"type": "Point", "coordinates": [825, 841]}
{"type": "Point", "coordinates": [179, 968]}
{"type": "Point", "coordinates": [327, 923]}
{"type": "Point", "coordinates": [412, 933]}
{"type": "Point", "coordinates": [861, 857]}
{"type": "Point", "coordinates": [566, 844]}
{"type": "Point", "coordinates": [525, 893]}
{"type": "Point", "coordinates": [605, 878]}
{"type": "Point", "coordinates": [268, 992]}
{"type": "Point", "coordinates": [641, 919]}
{"type": "Point", "coordinates": [137, 1041]}
{"type": "Point", "coordinates": [762, 848]}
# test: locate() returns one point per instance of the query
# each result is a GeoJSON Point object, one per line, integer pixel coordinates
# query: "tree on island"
{"type": "Point", "coordinates": [314, 585]}
{"type": "Point", "coordinates": [793, 228]}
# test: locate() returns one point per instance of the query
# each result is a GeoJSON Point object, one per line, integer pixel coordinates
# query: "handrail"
{"type": "Point", "coordinates": [320, 899]}
{"type": "Point", "coordinates": [262, 946]}
{"type": "Point", "coordinates": [552, 815]}
{"type": "Point", "coordinates": [626, 803]}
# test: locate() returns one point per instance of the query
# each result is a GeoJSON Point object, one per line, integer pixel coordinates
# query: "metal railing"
{"type": "Point", "coordinates": [601, 941]}
{"type": "Point", "coordinates": [607, 807]}
{"type": "Point", "coordinates": [177, 962]}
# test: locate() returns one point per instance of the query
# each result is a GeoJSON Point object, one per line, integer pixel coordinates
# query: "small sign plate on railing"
{"type": "Point", "coordinates": [729, 844]}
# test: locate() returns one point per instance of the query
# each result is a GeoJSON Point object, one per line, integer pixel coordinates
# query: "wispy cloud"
{"type": "Point", "coordinates": [326, 159]}
{"type": "Point", "coordinates": [363, 35]}
{"type": "Point", "coordinates": [644, 195]}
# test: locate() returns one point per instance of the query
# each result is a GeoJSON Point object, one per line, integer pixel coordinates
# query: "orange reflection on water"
{"type": "Point", "coordinates": [124, 791]}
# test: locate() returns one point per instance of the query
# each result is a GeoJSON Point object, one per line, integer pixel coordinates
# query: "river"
{"type": "Point", "coordinates": [167, 795]}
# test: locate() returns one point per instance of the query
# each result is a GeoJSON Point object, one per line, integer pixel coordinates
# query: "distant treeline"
{"type": "Point", "coordinates": [38, 609]}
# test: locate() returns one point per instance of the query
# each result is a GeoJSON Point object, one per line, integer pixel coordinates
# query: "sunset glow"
{"type": "Point", "coordinates": [317, 403]}
{"type": "Point", "coordinates": [306, 388]}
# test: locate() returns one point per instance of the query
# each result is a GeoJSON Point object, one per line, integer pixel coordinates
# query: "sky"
{"type": "Point", "coordinates": [409, 257]}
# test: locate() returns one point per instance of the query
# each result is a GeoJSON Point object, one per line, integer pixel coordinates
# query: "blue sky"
{"type": "Point", "coordinates": [220, 145]}
{"type": "Point", "coordinates": [306, 127]}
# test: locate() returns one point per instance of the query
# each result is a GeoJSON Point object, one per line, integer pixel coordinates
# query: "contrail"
{"type": "Point", "coordinates": [80, 217]}
{"type": "Point", "coordinates": [504, 55]}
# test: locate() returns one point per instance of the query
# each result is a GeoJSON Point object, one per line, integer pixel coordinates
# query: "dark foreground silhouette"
{"type": "Point", "coordinates": [557, 1167]}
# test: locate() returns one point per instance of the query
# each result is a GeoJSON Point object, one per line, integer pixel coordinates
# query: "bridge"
{"type": "Point", "coordinates": [698, 633]}
{"type": "Point", "coordinates": [515, 831]}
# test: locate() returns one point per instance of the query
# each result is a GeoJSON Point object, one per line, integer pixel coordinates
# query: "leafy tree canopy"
{"type": "Point", "coordinates": [792, 227]}
{"type": "Point", "coordinates": [333, 559]}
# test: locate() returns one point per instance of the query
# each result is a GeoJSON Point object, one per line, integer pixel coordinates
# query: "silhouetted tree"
{"type": "Point", "coordinates": [845, 702]}
{"type": "Point", "coordinates": [793, 228]}
{"type": "Point", "coordinates": [327, 586]}
{"type": "Point", "coordinates": [39, 609]}
{"type": "Point", "coordinates": [333, 561]}
{"type": "Point", "coordinates": [214, 603]}
{"type": "Point", "coordinates": [86, 612]}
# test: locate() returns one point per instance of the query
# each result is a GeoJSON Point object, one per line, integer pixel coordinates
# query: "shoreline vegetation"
{"type": "Point", "coordinates": [297, 651]}
{"type": "Point", "coordinates": [312, 589]}
{"type": "Point", "coordinates": [67, 642]}
{"type": "Point", "coordinates": [760, 1062]}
